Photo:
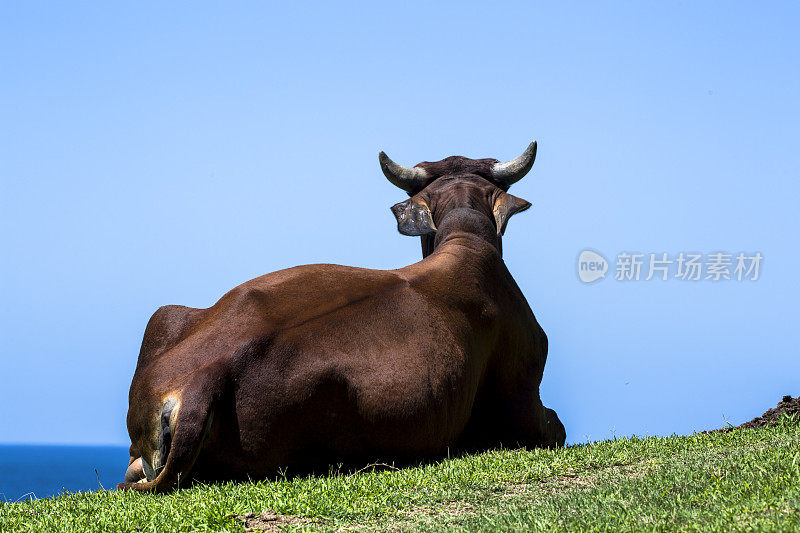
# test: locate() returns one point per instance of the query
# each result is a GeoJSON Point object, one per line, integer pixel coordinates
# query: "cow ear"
{"type": "Point", "coordinates": [414, 217]}
{"type": "Point", "coordinates": [504, 206]}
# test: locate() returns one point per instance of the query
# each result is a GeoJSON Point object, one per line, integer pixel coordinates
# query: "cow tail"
{"type": "Point", "coordinates": [193, 422]}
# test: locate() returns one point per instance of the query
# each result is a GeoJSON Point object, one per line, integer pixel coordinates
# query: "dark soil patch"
{"type": "Point", "coordinates": [788, 406]}
{"type": "Point", "coordinates": [271, 521]}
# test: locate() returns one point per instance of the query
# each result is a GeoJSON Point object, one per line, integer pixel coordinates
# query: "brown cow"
{"type": "Point", "coordinates": [322, 364]}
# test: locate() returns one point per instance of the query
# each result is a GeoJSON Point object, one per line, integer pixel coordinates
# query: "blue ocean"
{"type": "Point", "coordinates": [34, 471]}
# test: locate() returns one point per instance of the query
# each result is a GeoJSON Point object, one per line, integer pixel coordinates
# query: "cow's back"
{"type": "Point", "coordinates": [351, 359]}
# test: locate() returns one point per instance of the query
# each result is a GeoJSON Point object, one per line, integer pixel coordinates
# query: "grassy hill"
{"type": "Point", "coordinates": [744, 479]}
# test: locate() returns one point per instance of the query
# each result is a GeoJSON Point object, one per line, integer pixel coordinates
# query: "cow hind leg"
{"type": "Point", "coordinates": [180, 443]}
{"type": "Point", "coordinates": [513, 419]}
{"type": "Point", "coordinates": [553, 429]}
{"type": "Point", "coordinates": [535, 425]}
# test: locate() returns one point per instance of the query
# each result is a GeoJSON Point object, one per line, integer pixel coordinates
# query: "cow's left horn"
{"type": "Point", "coordinates": [512, 171]}
{"type": "Point", "coordinates": [411, 180]}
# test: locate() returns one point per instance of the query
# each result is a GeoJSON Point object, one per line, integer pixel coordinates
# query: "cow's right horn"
{"type": "Point", "coordinates": [411, 180]}
{"type": "Point", "coordinates": [510, 172]}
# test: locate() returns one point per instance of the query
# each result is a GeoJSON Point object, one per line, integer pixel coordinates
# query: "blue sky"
{"type": "Point", "coordinates": [162, 154]}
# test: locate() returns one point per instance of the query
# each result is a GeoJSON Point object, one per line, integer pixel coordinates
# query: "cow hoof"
{"type": "Point", "coordinates": [135, 472]}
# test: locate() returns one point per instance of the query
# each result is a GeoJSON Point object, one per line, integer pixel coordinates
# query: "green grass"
{"type": "Point", "coordinates": [746, 480]}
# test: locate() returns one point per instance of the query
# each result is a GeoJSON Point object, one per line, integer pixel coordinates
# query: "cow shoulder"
{"type": "Point", "coordinates": [165, 329]}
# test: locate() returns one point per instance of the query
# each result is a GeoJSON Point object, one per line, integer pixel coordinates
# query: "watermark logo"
{"type": "Point", "coordinates": [684, 266]}
{"type": "Point", "coordinates": [591, 266]}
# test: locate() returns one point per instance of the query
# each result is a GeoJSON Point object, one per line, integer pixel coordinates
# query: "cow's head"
{"type": "Point", "coordinates": [439, 188]}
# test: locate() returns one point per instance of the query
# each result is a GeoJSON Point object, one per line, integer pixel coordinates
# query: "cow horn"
{"type": "Point", "coordinates": [512, 171]}
{"type": "Point", "coordinates": [411, 180]}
